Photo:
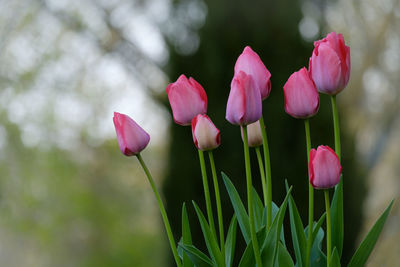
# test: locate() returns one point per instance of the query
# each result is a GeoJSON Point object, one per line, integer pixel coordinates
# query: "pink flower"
{"type": "Point", "coordinates": [244, 102]}
{"type": "Point", "coordinates": [324, 168]}
{"type": "Point", "coordinates": [187, 99]}
{"type": "Point", "coordinates": [301, 95]}
{"type": "Point", "coordinates": [131, 137]}
{"type": "Point", "coordinates": [330, 64]}
{"type": "Point", "coordinates": [254, 135]}
{"type": "Point", "coordinates": [250, 63]}
{"type": "Point", "coordinates": [205, 135]}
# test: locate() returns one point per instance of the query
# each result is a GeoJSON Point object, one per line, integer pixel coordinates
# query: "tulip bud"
{"type": "Point", "coordinates": [301, 95]}
{"type": "Point", "coordinates": [131, 137]}
{"type": "Point", "coordinates": [205, 135]}
{"type": "Point", "coordinates": [324, 168]}
{"type": "Point", "coordinates": [250, 63]}
{"type": "Point", "coordinates": [254, 135]}
{"type": "Point", "coordinates": [244, 102]}
{"type": "Point", "coordinates": [187, 99]}
{"type": "Point", "coordinates": [330, 64]}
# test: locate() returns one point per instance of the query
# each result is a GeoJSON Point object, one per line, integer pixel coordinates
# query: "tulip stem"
{"type": "Point", "coordinates": [310, 196]}
{"type": "Point", "coordinates": [250, 198]}
{"type": "Point", "coordinates": [218, 200]}
{"type": "Point", "coordinates": [336, 126]}
{"type": "Point", "coordinates": [207, 193]}
{"type": "Point", "coordinates": [328, 228]}
{"type": "Point", "coordinates": [267, 172]}
{"type": "Point", "coordinates": [262, 173]}
{"type": "Point", "coordinates": [163, 212]}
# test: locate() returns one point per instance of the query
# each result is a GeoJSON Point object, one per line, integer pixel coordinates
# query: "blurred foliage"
{"type": "Point", "coordinates": [271, 29]}
{"type": "Point", "coordinates": [93, 209]}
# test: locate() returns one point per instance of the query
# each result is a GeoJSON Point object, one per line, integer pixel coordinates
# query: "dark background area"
{"type": "Point", "coordinates": [271, 29]}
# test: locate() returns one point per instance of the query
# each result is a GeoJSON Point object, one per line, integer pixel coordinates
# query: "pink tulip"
{"type": "Point", "coordinates": [324, 168]}
{"type": "Point", "coordinates": [187, 98]}
{"type": "Point", "coordinates": [330, 64]}
{"type": "Point", "coordinates": [131, 137]}
{"type": "Point", "coordinates": [244, 102]}
{"type": "Point", "coordinates": [254, 135]}
{"type": "Point", "coordinates": [205, 135]}
{"type": "Point", "coordinates": [301, 95]}
{"type": "Point", "coordinates": [250, 63]}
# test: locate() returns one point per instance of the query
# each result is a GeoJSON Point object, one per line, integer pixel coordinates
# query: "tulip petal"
{"type": "Point", "coordinates": [250, 63]}
{"type": "Point", "coordinates": [187, 99]}
{"type": "Point", "coordinates": [131, 137]}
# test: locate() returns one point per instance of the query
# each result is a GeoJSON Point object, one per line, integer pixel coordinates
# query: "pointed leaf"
{"type": "Point", "coordinates": [296, 228]}
{"type": "Point", "coordinates": [248, 258]}
{"type": "Point", "coordinates": [337, 217]}
{"type": "Point", "coordinates": [238, 207]}
{"type": "Point", "coordinates": [335, 260]}
{"type": "Point", "coordinates": [284, 258]}
{"type": "Point", "coordinates": [367, 245]}
{"type": "Point", "coordinates": [186, 236]}
{"type": "Point", "coordinates": [196, 256]}
{"type": "Point", "coordinates": [317, 226]}
{"type": "Point", "coordinates": [317, 257]}
{"type": "Point", "coordinates": [211, 242]}
{"type": "Point", "coordinates": [230, 242]}
{"type": "Point", "coordinates": [270, 246]}
{"type": "Point", "coordinates": [258, 209]}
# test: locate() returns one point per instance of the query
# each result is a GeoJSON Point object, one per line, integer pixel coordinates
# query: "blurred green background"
{"type": "Point", "coordinates": [67, 195]}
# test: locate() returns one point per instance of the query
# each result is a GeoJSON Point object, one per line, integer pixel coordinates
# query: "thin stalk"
{"type": "Point", "coordinates": [218, 200]}
{"type": "Point", "coordinates": [163, 212]}
{"type": "Point", "coordinates": [336, 126]}
{"type": "Point", "coordinates": [262, 174]}
{"type": "Point", "coordinates": [267, 172]}
{"type": "Point", "coordinates": [310, 196]}
{"type": "Point", "coordinates": [328, 228]}
{"type": "Point", "coordinates": [207, 193]}
{"type": "Point", "coordinates": [250, 198]}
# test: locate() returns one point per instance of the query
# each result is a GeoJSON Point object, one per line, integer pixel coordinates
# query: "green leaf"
{"type": "Point", "coordinates": [211, 242]}
{"type": "Point", "coordinates": [335, 260]}
{"type": "Point", "coordinates": [284, 259]}
{"type": "Point", "coordinates": [238, 207]}
{"type": "Point", "coordinates": [258, 209]}
{"type": "Point", "coordinates": [367, 245]}
{"type": "Point", "coordinates": [317, 257]}
{"type": "Point", "coordinates": [196, 256]}
{"type": "Point", "coordinates": [317, 226]}
{"type": "Point", "coordinates": [270, 246]}
{"type": "Point", "coordinates": [337, 218]}
{"type": "Point", "coordinates": [230, 242]}
{"type": "Point", "coordinates": [297, 230]}
{"type": "Point", "coordinates": [248, 258]}
{"type": "Point", "coordinates": [186, 236]}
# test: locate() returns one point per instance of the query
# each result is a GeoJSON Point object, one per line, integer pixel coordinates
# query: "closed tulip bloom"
{"type": "Point", "coordinates": [187, 99]}
{"type": "Point", "coordinates": [254, 135]}
{"type": "Point", "coordinates": [330, 64]}
{"type": "Point", "coordinates": [324, 168]}
{"type": "Point", "coordinates": [205, 135]}
{"type": "Point", "coordinates": [244, 102]}
{"type": "Point", "coordinates": [301, 95]}
{"type": "Point", "coordinates": [250, 63]}
{"type": "Point", "coordinates": [132, 139]}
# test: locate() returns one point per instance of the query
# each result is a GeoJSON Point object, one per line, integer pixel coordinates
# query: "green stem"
{"type": "Point", "coordinates": [163, 212]}
{"type": "Point", "coordinates": [262, 174]}
{"type": "Point", "coordinates": [218, 200]}
{"type": "Point", "coordinates": [310, 196]}
{"type": "Point", "coordinates": [207, 193]}
{"type": "Point", "coordinates": [328, 228]}
{"type": "Point", "coordinates": [336, 126]}
{"type": "Point", "coordinates": [267, 172]}
{"type": "Point", "coordinates": [250, 198]}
